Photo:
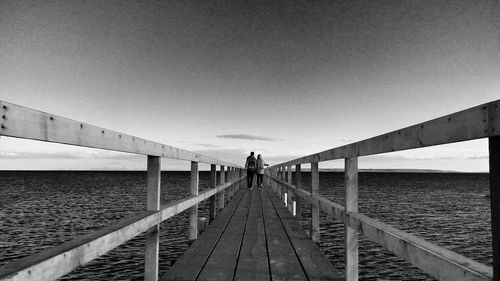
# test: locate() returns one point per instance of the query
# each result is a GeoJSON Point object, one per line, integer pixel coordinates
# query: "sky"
{"type": "Point", "coordinates": [222, 78]}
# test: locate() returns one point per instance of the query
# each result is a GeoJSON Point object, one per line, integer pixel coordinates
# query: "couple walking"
{"type": "Point", "coordinates": [255, 166]}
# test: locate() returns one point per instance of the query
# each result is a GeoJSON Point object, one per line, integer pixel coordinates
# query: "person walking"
{"type": "Point", "coordinates": [260, 170]}
{"type": "Point", "coordinates": [250, 166]}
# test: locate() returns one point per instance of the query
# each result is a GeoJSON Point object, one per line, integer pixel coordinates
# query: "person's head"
{"type": "Point", "coordinates": [259, 156]}
{"type": "Point", "coordinates": [252, 154]}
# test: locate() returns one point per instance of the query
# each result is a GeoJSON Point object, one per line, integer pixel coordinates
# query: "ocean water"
{"type": "Point", "coordinates": [39, 210]}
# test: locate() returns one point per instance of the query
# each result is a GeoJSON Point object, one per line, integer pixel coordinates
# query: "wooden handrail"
{"type": "Point", "coordinates": [474, 123]}
{"type": "Point", "coordinates": [482, 121]}
{"type": "Point", "coordinates": [437, 261]}
{"type": "Point", "coordinates": [58, 261]}
{"type": "Point", "coordinates": [22, 122]}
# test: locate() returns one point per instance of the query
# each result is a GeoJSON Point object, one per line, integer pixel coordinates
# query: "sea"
{"type": "Point", "coordinates": [42, 209]}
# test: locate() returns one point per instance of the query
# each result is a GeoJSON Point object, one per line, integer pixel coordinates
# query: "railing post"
{"type": "Point", "coordinates": [314, 202]}
{"type": "Point", "coordinates": [228, 179]}
{"type": "Point", "coordinates": [282, 187]}
{"type": "Point", "coordinates": [193, 217]}
{"type": "Point", "coordinates": [213, 184]}
{"type": "Point", "coordinates": [351, 206]}
{"type": "Point", "coordinates": [289, 190]}
{"type": "Point", "coordinates": [298, 185]}
{"type": "Point", "coordinates": [152, 204]}
{"type": "Point", "coordinates": [494, 150]}
{"type": "Point", "coordinates": [222, 180]}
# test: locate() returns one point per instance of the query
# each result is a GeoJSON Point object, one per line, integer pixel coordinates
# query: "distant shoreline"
{"type": "Point", "coordinates": [429, 171]}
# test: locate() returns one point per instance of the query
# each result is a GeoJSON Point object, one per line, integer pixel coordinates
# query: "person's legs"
{"type": "Point", "coordinates": [250, 175]}
{"type": "Point", "coordinates": [259, 180]}
{"type": "Point", "coordinates": [249, 178]}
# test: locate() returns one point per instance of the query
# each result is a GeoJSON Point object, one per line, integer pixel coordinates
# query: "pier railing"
{"type": "Point", "coordinates": [22, 122]}
{"type": "Point", "coordinates": [478, 122]}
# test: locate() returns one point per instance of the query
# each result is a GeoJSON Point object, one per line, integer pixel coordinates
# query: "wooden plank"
{"type": "Point", "coordinates": [314, 231]}
{"type": "Point", "coordinates": [283, 261]}
{"type": "Point", "coordinates": [494, 161]}
{"type": "Point", "coordinates": [315, 264]}
{"type": "Point", "coordinates": [474, 123]}
{"type": "Point", "coordinates": [26, 123]}
{"type": "Point", "coordinates": [190, 264]}
{"type": "Point", "coordinates": [221, 264]}
{"type": "Point", "coordinates": [193, 212]}
{"type": "Point", "coordinates": [253, 263]}
{"type": "Point", "coordinates": [152, 204]}
{"type": "Point", "coordinates": [351, 206]}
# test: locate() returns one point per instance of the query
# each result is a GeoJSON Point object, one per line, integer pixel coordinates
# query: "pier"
{"type": "Point", "coordinates": [253, 234]}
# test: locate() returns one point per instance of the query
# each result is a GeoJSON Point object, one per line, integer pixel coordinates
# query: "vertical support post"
{"type": "Point", "coordinates": [193, 216]}
{"type": "Point", "coordinates": [314, 202]}
{"type": "Point", "coordinates": [152, 204]}
{"type": "Point", "coordinates": [298, 185]}
{"type": "Point", "coordinates": [228, 179]}
{"type": "Point", "coordinates": [290, 195]}
{"type": "Point", "coordinates": [222, 180]}
{"type": "Point", "coordinates": [351, 206]}
{"type": "Point", "coordinates": [494, 150]}
{"type": "Point", "coordinates": [283, 188]}
{"type": "Point", "coordinates": [213, 184]}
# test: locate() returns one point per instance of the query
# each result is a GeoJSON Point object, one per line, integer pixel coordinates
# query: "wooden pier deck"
{"type": "Point", "coordinates": [253, 238]}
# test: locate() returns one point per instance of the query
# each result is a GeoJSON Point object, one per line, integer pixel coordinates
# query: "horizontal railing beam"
{"type": "Point", "coordinates": [22, 122]}
{"type": "Point", "coordinates": [436, 261]}
{"type": "Point", "coordinates": [474, 123]}
{"type": "Point", "coordinates": [60, 260]}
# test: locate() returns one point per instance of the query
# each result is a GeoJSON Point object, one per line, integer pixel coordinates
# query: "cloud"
{"type": "Point", "coordinates": [207, 145]}
{"type": "Point", "coordinates": [247, 137]}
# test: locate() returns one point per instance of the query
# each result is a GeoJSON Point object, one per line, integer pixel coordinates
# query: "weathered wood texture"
{"type": "Point", "coordinates": [213, 183]}
{"type": "Point", "coordinates": [26, 123]}
{"type": "Point", "coordinates": [312, 260]}
{"type": "Point", "coordinates": [298, 186]}
{"type": "Point", "coordinates": [290, 195]}
{"type": "Point", "coordinates": [152, 204]}
{"type": "Point", "coordinates": [222, 180]}
{"type": "Point", "coordinates": [477, 122]}
{"type": "Point", "coordinates": [190, 264]}
{"type": "Point", "coordinates": [351, 206]}
{"type": "Point", "coordinates": [272, 246]}
{"type": "Point", "coordinates": [60, 260]}
{"type": "Point", "coordinates": [223, 260]}
{"type": "Point", "coordinates": [314, 228]}
{"type": "Point", "coordinates": [253, 263]}
{"type": "Point", "coordinates": [193, 212]}
{"type": "Point", "coordinates": [494, 149]}
{"type": "Point", "coordinates": [438, 262]}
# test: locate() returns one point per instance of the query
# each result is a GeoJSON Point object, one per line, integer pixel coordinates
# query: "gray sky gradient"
{"type": "Point", "coordinates": [310, 74]}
